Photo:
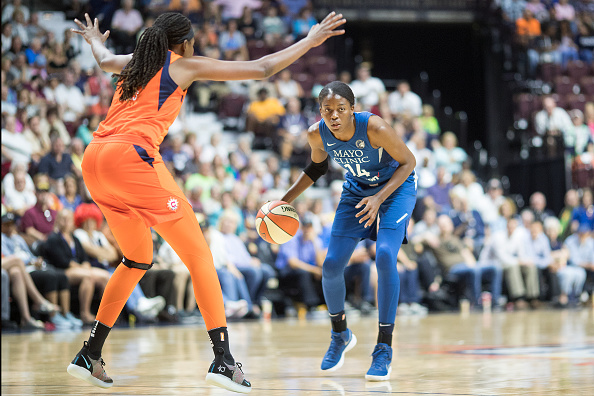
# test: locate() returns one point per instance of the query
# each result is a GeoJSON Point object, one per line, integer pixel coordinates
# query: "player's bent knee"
{"type": "Point", "coordinates": [133, 264]}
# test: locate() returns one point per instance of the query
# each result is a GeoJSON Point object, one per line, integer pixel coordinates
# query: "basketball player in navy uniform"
{"type": "Point", "coordinates": [377, 200]}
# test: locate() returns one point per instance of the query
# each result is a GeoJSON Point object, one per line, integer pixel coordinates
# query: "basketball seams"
{"type": "Point", "coordinates": [281, 222]}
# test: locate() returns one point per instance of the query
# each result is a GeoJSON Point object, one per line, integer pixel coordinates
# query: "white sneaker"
{"type": "Point", "coordinates": [404, 309]}
{"type": "Point", "coordinates": [236, 309]}
{"type": "Point", "coordinates": [418, 309]}
{"type": "Point", "coordinates": [60, 321]}
{"type": "Point", "coordinates": [150, 307]}
{"type": "Point", "coordinates": [73, 320]}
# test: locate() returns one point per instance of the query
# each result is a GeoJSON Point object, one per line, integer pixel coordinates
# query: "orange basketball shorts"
{"type": "Point", "coordinates": [128, 179]}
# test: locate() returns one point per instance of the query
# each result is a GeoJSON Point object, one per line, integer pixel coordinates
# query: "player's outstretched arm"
{"type": "Point", "coordinates": [105, 58]}
{"type": "Point", "coordinates": [317, 167]}
{"type": "Point", "coordinates": [201, 68]}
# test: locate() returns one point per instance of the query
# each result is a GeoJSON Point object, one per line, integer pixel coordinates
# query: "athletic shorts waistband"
{"type": "Point", "coordinates": [123, 138]}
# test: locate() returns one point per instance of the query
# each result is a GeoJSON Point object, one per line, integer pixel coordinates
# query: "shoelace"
{"type": "Point", "coordinates": [380, 358]}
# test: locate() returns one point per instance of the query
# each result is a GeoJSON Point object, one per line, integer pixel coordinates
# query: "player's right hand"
{"type": "Point", "coordinates": [322, 31]}
{"type": "Point", "coordinates": [91, 31]}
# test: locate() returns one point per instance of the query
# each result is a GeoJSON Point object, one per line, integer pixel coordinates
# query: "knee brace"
{"type": "Point", "coordinates": [133, 264]}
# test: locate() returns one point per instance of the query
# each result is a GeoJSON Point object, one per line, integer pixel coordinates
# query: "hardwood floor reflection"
{"type": "Point", "coordinates": [522, 353]}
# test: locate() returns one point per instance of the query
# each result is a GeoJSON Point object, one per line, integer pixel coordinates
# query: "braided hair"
{"type": "Point", "coordinates": [149, 56]}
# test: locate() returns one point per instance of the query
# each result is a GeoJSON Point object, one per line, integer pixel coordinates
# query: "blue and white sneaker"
{"type": "Point", "coordinates": [381, 365]}
{"type": "Point", "coordinates": [73, 320]}
{"type": "Point", "coordinates": [340, 344]}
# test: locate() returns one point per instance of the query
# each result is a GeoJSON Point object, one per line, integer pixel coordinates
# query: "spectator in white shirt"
{"type": "Point", "coordinates": [553, 123]}
{"type": "Point", "coordinates": [404, 101]}
{"type": "Point", "coordinates": [449, 155]}
{"type": "Point", "coordinates": [521, 274]}
{"type": "Point", "coordinates": [9, 9]}
{"type": "Point", "coordinates": [369, 91]}
{"type": "Point", "coordinates": [71, 98]}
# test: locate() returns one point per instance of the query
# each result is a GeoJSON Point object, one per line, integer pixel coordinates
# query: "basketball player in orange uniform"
{"type": "Point", "coordinates": [126, 176]}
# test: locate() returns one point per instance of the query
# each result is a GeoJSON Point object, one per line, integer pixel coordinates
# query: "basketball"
{"type": "Point", "coordinates": [277, 222]}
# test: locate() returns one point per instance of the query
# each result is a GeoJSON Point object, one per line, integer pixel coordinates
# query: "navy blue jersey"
{"type": "Point", "coordinates": [367, 168]}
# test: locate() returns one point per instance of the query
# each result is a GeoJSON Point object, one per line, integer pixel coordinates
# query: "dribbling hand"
{"type": "Point", "coordinates": [322, 31]}
{"type": "Point", "coordinates": [91, 31]}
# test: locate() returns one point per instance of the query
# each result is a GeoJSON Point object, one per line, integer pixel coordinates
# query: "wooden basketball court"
{"type": "Point", "coordinates": [521, 353]}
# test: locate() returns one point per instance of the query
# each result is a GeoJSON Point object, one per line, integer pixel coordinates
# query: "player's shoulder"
{"type": "Point", "coordinates": [314, 129]}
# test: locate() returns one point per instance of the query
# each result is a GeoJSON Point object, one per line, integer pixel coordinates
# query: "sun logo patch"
{"type": "Point", "coordinates": [172, 204]}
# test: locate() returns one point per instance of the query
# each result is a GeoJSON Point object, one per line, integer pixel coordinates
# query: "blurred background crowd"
{"type": "Point", "coordinates": [238, 144]}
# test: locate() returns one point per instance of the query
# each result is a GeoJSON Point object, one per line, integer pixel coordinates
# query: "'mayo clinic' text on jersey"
{"type": "Point", "coordinates": [367, 168]}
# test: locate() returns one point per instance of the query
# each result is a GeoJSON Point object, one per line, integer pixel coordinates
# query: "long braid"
{"type": "Point", "coordinates": [151, 51]}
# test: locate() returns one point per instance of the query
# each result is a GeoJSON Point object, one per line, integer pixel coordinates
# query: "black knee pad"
{"type": "Point", "coordinates": [133, 264]}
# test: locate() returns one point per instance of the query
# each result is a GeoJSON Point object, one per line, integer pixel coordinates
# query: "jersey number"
{"type": "Point", "coordinates": [360, 172]}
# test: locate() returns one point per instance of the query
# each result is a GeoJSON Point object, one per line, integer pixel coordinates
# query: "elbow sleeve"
{"type": "Point", "coordinates": [315, 170]}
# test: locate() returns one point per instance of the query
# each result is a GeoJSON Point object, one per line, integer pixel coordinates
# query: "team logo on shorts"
{"type": "Point", "coordinates": [360, 144]}
{"type": "Point", "coordinates": [172, 204]}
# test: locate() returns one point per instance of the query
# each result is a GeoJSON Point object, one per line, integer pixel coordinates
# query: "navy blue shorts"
{"type": "Point", "coordinates": [394, 212]}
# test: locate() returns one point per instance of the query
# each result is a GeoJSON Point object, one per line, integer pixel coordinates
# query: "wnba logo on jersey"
{"type": "Point", "coordinates": [360, 144]}
{"type": "Point", "coordinates": [172, 204]}
{"type": "Point", "coordinates": [135, 95]}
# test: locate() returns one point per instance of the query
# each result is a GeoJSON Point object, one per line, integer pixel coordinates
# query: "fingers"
{"type": "Point", "coordinates": [79, 23]}
{"type": "Point", "coordinates": [76, 31]}
{"type": "Point", "coordinates": [88, 18]}
{"type": "Point", "coordinates": [96, 23]}
{"type": "Point", "coordinates": [106, 34]}
{"type": "Point", "coordinates": [329, 16]}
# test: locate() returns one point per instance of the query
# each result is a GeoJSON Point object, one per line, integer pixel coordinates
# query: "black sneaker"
{"type": "Point", "coordinates": [88, 369]}
{"type": "Point", "coordinates": [227, 376]}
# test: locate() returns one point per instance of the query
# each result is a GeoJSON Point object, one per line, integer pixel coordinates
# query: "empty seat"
{"type": "Point", "coordinates": [577, 69]}
{"type": "Point", "coordinates": [257, 49]}
{"type": "Point", "coordinates": [307, 82]}
{"type": "Point", "coordinates": [548, 71]}
{"type": "Point", "coordinates": [321, 65]}
{"type": "Point", "coordinates": [563, 85]}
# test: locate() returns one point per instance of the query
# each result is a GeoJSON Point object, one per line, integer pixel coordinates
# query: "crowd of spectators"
{"type": "Point", "coordinates": [553, 43]}
{"type": "Point", "coordinates": [466, 239]}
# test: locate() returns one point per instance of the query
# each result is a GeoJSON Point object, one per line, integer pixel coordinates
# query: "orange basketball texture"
{"type": "Point", "coordinates": [277, 222]}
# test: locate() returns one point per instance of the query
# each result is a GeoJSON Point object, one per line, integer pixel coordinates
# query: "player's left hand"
{"type": "Point", "coordinates": [369, 212]}
{"type": "Point", "coordinates": [91, 31]}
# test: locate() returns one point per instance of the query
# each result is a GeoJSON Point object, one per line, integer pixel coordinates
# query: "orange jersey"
{"type": "Point", "coordinates": [150, 113]}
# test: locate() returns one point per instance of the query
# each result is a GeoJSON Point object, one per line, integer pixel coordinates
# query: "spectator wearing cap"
{"type": "Point", "coordinates": [299, 263]}
{"type": "Point", "coordinates": [38, 222]}
{"type": "Point", "coordinates": [57, 163]}
{"type": "Point", "coordinates": [64, 251]}
{"type": "Point", "coordinates": [52, 286]}
{"type": "Point", "coordinates": [581, 253]}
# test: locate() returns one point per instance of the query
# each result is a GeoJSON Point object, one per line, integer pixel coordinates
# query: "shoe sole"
{"type": "Point", "coordinates": [224, 382]}
{"type": "Point", "coordinates": [386, 377]}
{"type": "Point", "coordinates": [84, 374]}
{"type": "Point", "coordinates": [341, 361]}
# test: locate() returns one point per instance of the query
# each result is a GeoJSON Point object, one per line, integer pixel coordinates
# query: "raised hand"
{"type": "Point", "coordinates": [91, 31]}
{"type": "Point", "coordinates": [320, 32]}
